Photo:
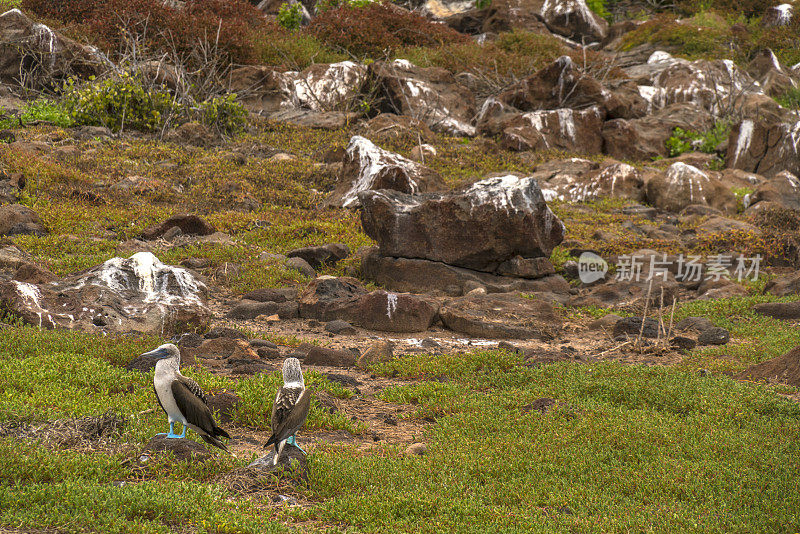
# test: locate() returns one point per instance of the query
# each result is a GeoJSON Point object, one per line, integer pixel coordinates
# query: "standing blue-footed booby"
{"type": "Point", "coordinates": [182, 399]}
{"type": "Point", "coordinates": [290, 409]}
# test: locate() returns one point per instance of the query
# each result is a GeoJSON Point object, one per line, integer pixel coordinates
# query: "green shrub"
{"type": "Point", "coordinates": [295, 50]}
{"type": "Point", "coordinates": [47, 110]}
{"type": "Point", "coordinates": [325, 5]}
{"type": "Point", "coordinates": [790, 99]}
{"type": "Point", "coordinates": [702, 37]}
{"type": "Point", "coordinates": [290, 16]}
{"type": "Point", "coordinates": [683, 141]}
{"type": "Point", "coordinates": [224, 113]}
{"type": "Point", "coordinates": [599, 7]}
{"type": "Point", "coordinates": [118, 102]}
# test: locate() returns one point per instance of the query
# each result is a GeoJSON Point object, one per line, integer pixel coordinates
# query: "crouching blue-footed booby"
{"type": "Point", "coordinates": [290, 409]}
{"type": "Point", "coordinates": [182, 399]}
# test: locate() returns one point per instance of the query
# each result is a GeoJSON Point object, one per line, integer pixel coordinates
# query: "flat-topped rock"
{"type": "Point", "coordinates": [501, 315]}
{"type": "Point", "coordinates": [490, 223]}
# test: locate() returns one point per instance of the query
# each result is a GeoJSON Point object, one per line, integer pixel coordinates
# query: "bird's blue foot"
{"type": "Point", "coordinates": [172, 433]}
{"type": "Point", "coordinates": [291, 440]}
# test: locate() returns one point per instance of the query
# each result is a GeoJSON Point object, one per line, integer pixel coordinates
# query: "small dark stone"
{"type": "Point", "coordinates": [633, 325]}
{"type": "Point", "coordinates": [184, 449]}
{"type": "Point", "coordinates": [301, 265]}
{"type": "Point", "coordinates": [258, 343]}
{"type": "Point", "coordinates": [682, 343]}
{"type": "Point", "coordinates": [224, 331]}
{"type": "Point", "coordinates": [714, 336]}
{"type": "Point", "coordinates": [344, 380]}
{"type": "Point", "coordinates": [330, 357]}
{"type": "Point", "coordinates": [390, 420]}
{"type": "Point", "coordinates": [430, 343]}
{"type": "Point", "coordinates": [268, 353]}
{"type": "Point", "coordinates": [340, 327]}
{"type": "Point", "coordinates": [250, 369]}
{"type": "Point", "coordinates": [196, 263]}
{"type": "Point", "coordinates": [249, 309]}
{"type": "Point", "coordinates": [190, 340]}
{"type": "Point", "coordinates": [697, 324]}
{"type": "Point", "coordinates": [282, 294]}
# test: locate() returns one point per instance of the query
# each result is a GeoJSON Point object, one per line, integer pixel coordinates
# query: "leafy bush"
{"type": "Point", "coordinates": [599, 7]}
{"type": "Point", "coordinates": [224, 113]}
{"type": "Point", "coordinates": [376, 29]}
{"type": "Point", "coordinates": [44, 109]}
{"type": "Point", "coordinates": [325, 5]}
{"type": "Point", "coordinates": [683, 141]}
{"type": "Point", "coordinates": [290, 16]}
{"type": "Point", "coordinates": [117, 103]}
{"type": "Point", "coordinates": [791, 99]}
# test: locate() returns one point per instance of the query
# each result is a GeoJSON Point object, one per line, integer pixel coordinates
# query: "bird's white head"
{"type": "Point", "coordinates": [292, 374]}
{"type": "Point", "coordinates": [168, 352]}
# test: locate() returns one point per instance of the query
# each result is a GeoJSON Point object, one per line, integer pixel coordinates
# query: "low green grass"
{"type": "Point", "coordinates": [630, 449]}
{"type": "Point", "coordinates": [625, 449]}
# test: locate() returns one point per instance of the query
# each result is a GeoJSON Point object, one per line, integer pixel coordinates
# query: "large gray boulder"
{"type": "Point", "coordinates": [488, 224]}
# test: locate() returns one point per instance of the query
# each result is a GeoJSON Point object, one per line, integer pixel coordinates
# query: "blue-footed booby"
{"type": "Point", "coordinates": [182, 398]}
{"type": "Point", "coordinates": [290, 409]}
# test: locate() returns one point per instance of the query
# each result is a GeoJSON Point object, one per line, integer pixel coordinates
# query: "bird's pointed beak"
{"type": "Point", "coordinates": [158, 353]}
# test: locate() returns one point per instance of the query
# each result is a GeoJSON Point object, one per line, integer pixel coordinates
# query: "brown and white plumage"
{"type": "Point", "coordinates": [182, 399]}
{"type": "Point", "coordinates": [290, 409]}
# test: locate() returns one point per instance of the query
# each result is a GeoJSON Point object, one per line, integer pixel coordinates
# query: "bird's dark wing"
{"type": "Point", "coordinates": [191, 402]}
{"type": "Point", "coordinates": [289, 413]}
{"type": "Point", "coordinates": [195, 388]}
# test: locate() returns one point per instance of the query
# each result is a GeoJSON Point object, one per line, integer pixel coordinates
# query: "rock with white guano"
{"type": "Point", "coordinates": [765, 147]}
{"type": "Point", "coordinates": [683, 185]}
{"type": "Point", "coordinates": [780, 15]}
{"type": "Point", "coordinates": [137, 294]}
{"type": "Point", "coordinates": [618, 180]}
{"type": "Point", "coordinates": [767, 70]}
{"type": "Point", "coordinates": [480, 228]}
{"type": "Point", "coordinates": [431, 95]}
{"type": "Point", "coordinates": [43, 55]}
{"type": "Point", "coordinates": [782, 189]}
{"type": "Point", "coordinates": [366, 166]}
{"type": "Point", "coordinates": [570, 130]}
{"type": "Point", "coordinates": [573, 19]}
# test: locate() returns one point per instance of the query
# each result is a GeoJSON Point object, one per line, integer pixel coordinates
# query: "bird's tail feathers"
{"type": "Point", "coordinates": [221, 432]}
{"type": "Point", "coordinates": [213, 440]}
{"type": "Point", "coordinates": [273, 439]}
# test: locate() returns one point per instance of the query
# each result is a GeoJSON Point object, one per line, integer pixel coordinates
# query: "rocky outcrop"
{"type": "Point", "coordinates": [767, 70]}
{"type": "Point", "coordinates": [783, 190]}
{"type": "Point", "coordinates": [683, 185]}
{"type": "Point", "coordinates": [16, 219]}
{"type": "Point", "coordinates": [139, 294]}
{"type": "Point", "coordinates": [366, 166]}
{"type": "Point", "coordinates": [431, 95]}
{"type": "Point", "coordinates": [573, 19]}
{"type": "Point", "coordinates": [322, 87]}
{"type": "Point", "coordinates": [645, 138]}
{"type": "Point", "coordinates": [329, 299]}
{"type": "Point", "coordinates": [490, 223]}
{"type": "Point", "coordinates": [765, 147]}
{"type": "Point", "coordinates": [564, 129]}
{"type": "Point", "coordinates": [41, 55]}
{"type": "Point", "coordinates": [503, 316]}
{"type": "Point", "coordinates": [618, 180]}
{"type": "Point", "coordinates": [186, 223]}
